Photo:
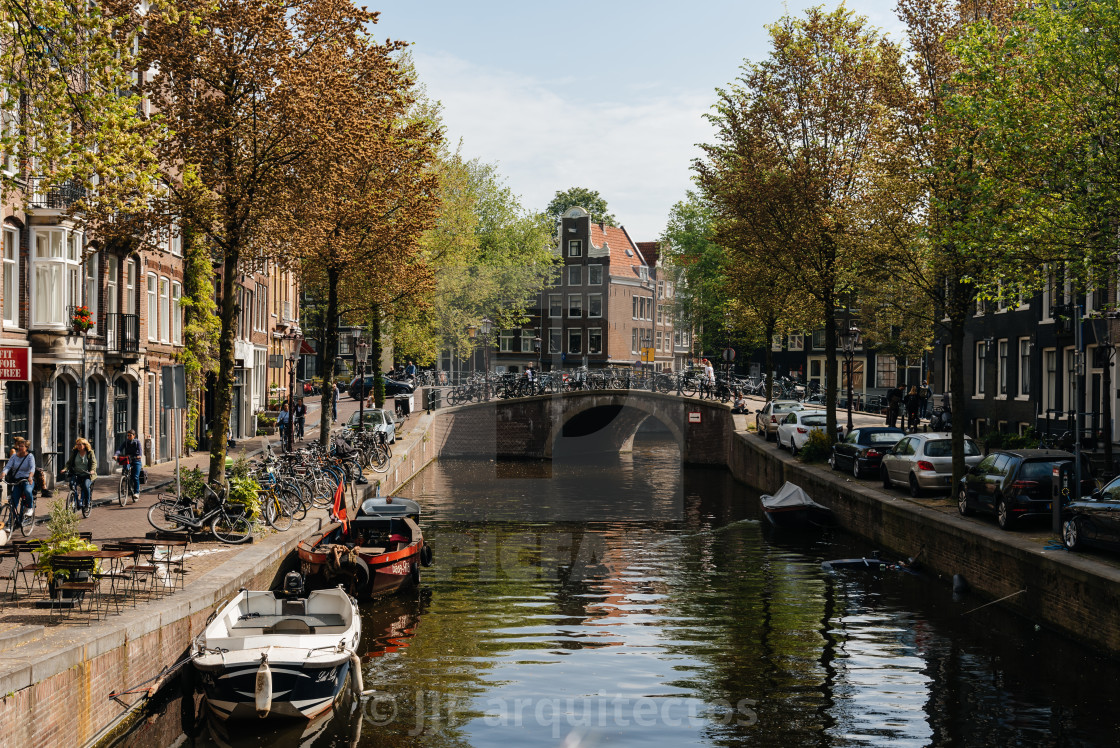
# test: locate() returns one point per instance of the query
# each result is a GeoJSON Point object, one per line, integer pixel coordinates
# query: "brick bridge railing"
{"type": "Point", "coordinates": [582, 423]}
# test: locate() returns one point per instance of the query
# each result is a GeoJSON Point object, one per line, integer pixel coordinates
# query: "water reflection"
{"type": "Point", "coordinates": [638, 604]}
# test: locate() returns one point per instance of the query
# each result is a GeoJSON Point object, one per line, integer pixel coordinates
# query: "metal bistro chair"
{"type": "Point", "coordinates": [31, 548]}
{"type": "Point", "coordinates": [122, 581]}
{"type": "Point", "coordinates": [79, 590]}
{"type": "Point", "coordinates": [143, 566]}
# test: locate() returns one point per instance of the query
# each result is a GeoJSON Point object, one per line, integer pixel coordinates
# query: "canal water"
{"type": "Point", "coordinates": [633, 603]}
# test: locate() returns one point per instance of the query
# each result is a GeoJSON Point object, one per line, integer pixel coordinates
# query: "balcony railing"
{"type": "Point", "coordinates": [47, 196]}
{"type": "Point", "coordinates": [122, 333]}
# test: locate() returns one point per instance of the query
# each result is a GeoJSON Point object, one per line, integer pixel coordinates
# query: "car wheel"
{"type": "Point", "coordinates": [759, 430]}
{"type": "Point", "coordinates": [1071, 534]}
{"type": "Point", "coordinates": [792, 447]}
{"type": "Point", "coordinates": [832, 462]}
{"type": "Point", "coordinates": [855, 467]}
{"type": "Point", "coordinates": [1003, 514]}
{"type": "Point", "coordinates": [885, 476]}
{"type": "Point", "coordinates": [962, 502]}
{"type": "Point", "coordinates": [915, 489]}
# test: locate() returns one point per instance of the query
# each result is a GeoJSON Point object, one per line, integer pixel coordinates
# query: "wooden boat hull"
{"type": "Point", "coordinates": [800, 518]}
{"type": "Point", "coordinates": [380, 571]}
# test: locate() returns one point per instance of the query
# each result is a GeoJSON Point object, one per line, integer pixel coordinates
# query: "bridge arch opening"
{"type": "Point", "coordinates": [605, 430]}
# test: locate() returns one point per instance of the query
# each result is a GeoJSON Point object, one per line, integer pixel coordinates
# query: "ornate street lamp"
{"type": "Point", "coordinates": [487, 325]}
{"type": "Point", "coordinates": [361, 355]}
{"type": "Point", "coordinates": [289, 440]}
{"type": "Point", "coordinates": [849, 341]}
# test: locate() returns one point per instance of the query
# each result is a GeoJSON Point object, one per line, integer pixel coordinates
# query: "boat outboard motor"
{"type": "Point", "coordinates": [293, 584]}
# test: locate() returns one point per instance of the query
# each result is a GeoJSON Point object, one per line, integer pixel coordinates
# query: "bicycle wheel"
{"type": "Point", "coordinates": [231, 529]}
{"type": "Point", "coordinates": [72, 502]}
{"type": "Point", "coordinates": [294, 503]}
{"type": "Point", "coordinates": [277, 514]}
{"type": "Point", "coordinates": [27, 523]}
{"type": "Point", "coordinates": [159, 513]}
{"type": "Point", "coordinates": [381, 459]}
{"type": "Point", "coordinates": [7, 517]}
{"type": "Point", "coordinates": [122, 489]}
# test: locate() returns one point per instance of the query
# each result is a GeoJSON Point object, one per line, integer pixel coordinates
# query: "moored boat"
{"type": "Point", "coordinates": [376, 553]}
{"type": "Point", "coordinates": [279, 654]}
{"type": "Point", "coordinates": [792, 508]}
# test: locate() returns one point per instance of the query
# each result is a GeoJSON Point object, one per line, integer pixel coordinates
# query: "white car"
{"type": "Point", "coordinates": [376, 419]}
{"type": "Point", "coordinates": [794, 428]}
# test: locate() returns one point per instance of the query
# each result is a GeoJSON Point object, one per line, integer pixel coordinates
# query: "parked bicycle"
{"type": "Point", "coordinates": [212, 511]}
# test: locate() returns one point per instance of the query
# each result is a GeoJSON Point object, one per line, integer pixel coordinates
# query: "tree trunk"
{"type": "Point", "coordinates": [223, 392]}
{"type": "Point", "coordinates": [956, 393]}
{"type": "Point", "coordinates": [830, 366]}
{"type": "Point", "coordinates": [768, 358]}
{"type": "Point", "coordinates": [330, 357]}
{"type": "Point", "coordinates": [375, 357]}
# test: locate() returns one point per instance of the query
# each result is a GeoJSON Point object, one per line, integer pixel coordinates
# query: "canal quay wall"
{"type": "Point", "coordinates": [55, 681]}
{"type": "Point", "coordinates": [1076, 594]}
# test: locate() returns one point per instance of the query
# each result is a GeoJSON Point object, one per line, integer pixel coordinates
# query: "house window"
{"type": "Point", "coordinates": [981, 366]}
{"type": "Point", "coordinates": [112, 300]}
{"type": "Point", "coordinates": [1050, 378]}
{"type": "Point", "coordinates": [776, 343]}
{"type": "Point", "coordinates": [176, 313]}
{"type": "Point", "coordinates": [657, 340]}
{"type": "Point", "coordinates": [575, 248]}
{"type": "Point", "coordinates": [1004, 350]}
{"type": "Point", "coordinates": [594, 275]}
{"type": "Point", "coordinates": [575, 305]}
{"type": "Point", "coordinates": [886, 371]}
{"type": "Point", "coordinates": [505, 344]}
{"type": "Point", "coordinates": [797, 341]}
{"type": "Point", "coordinates": [131, 275]}
{"type": "Point", "coordinates": [56, 276]}
{"type": "Point", "coordinates": [634, 304]}
{"type": "Point", "coordinates": [17, 402]}
{"type": "Point", "coordinates": [165, 310]}
{"type": "Point", "coordinates": [555, 340]}
{"type": "Point", "coordinates": [176, 240]}
{"type": "Point", "coordinates": [92, 266]}
{"type": "Point", "coordinates": [1024, 367]}
{"type": "Point", "coordinates": [153, 309]}
{"type": "Point", "coordinates": [634, 340]}
{"type": "Point", "coordinates": [660, 313]}
{"type": "Point", "coordinates": [575, 340]}
{"type": "Point", "coordinates": [527, 341]}
{"type": "Point", "coordinates": [818, 340]}
{"type": "Point", "coordinates": [575, 275]}
{"type": "Point", "coordinates": [11, 278]}
{"type": "Point", "coordinates": [595, 340]}
{"type": "Point", "coordinates": [555, 302]}
{"type": "Point", "coordinates": [595, 305]}
{"type": "Point", "coordinates": [661, 289]}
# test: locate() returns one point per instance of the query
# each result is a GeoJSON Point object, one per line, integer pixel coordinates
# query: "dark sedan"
{"type": "Point", "coordinates": [1094, 521]}
{"type": "Point", "coordinates": [1013, 484]}
{"type": "Point", "coordinates": [359, 388]}
{"type": "Point", "coordinates": [862, 450]}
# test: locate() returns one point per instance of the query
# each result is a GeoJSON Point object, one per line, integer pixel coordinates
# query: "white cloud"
{"type": "Point", "coordinates": [634, 148]}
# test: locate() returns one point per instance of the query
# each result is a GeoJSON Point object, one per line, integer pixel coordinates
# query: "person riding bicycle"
{"type": "Point", "coordinates": [17, 473]}
{"type": "Point", "coordinates": [300, 417]}
{"type": "Point", "coordinates": [133, 454]}
{"type": "Point", "coordinates": [81, 467]}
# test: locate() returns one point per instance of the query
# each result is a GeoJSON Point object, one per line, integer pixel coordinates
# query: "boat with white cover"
{"type": "Point", "coordinates": [792, 508]}
{"type": "Point", "coordinates": [279, 653]}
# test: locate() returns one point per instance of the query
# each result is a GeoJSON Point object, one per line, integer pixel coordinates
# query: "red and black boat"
{"type": "Point", "coordinates": [376, 553]}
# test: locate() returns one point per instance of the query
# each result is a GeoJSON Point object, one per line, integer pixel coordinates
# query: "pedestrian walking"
{"type": "Point", "coordinates": [913, 405]}
{"type": "Point", "coordinates": [924, 394]}
{"type": "Point", "coordinates": [334, 403]}
{"type": "Point", "coordinates": [894, 405]}
{"type": "Point", "coordinates": [708, 379]}
{"type": "Point", "coordinates": [284, 425]}
{"type": "Point", "coordinates": [81, 467]}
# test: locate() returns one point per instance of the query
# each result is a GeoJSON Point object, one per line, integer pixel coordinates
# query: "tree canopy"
{"type": "Point", "coordinates": [589, 200]}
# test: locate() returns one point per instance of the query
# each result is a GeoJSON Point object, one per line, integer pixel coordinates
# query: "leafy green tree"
{"type": "Point", "coordinates": [702, 269]}
{"type": "Point", "coordinates": [589, 200]}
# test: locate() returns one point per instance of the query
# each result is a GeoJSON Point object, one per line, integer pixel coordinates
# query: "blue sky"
{"type": "Point", "coordinates": [608, 95]}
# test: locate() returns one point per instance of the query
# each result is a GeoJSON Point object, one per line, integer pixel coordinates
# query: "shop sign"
{"type": "Point", "coordinates": [15, 364]}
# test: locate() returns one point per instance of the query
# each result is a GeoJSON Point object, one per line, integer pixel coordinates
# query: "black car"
{"type": "Point", "coordinates": [1013, 484]}
{"type": "Point", "coordinates": [360, 388]}
{"type": "Point", "coordinates": [1094, 521]}
{"type": "Point", "coordinates": [862, 450]}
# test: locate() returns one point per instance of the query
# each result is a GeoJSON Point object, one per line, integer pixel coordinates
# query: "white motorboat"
{"type": "Point", "coordinates": [279, 653]}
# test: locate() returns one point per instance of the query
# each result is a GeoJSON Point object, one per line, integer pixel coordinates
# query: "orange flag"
{"type": "Point", "coordinates": [340, 506]}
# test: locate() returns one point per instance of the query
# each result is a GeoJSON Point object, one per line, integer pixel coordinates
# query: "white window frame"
{"type": "Point", "coordinates": [575, 275]}
{"type": "Point", "coordinates": [1049, 378]}
{"type": "Point", "coordinates": [634, 342]}
{"type": "Point", "coordinates": [886, 371]}
{"type": "Point", "coordinates": [176, 313]}
{"type": "Point", "coordinates": [776, 343]}
{"type": "Point", "coordinates": [575, 248]}
{"type": "Point", "coordinates": [112, 284]}
{"type": "Point", "coordinates": [596, 350]}
{"type": "Point", "coordinates": [556, 305]}
{"type": "Point", "coordinates": [981, 364]}
{"type": "Point", "coordinates": [594, 275]}
{"type": "Point", "coordinates": [153, 307]}
{"type": "Point", "coordinates": [59, 270]}
{"type": "Point", "coordinates": [164, 309]}
{"type": "Point", "coordinates": [176, 239]}
{"type": "Point", "coordinates": [131, 286]}
{"type": "Point", "coordinates": [591, 300]}
{"type": "Point", "coordinates": [505, 341]}
{"type": "Point", "coordinates": [527, 336]}
{"type": "Point", "coordinates": [91, 281]}
{"type": "Point", "coordinates": [11, 277]}
{"type": "Point", "coordinates": [575, 305]}
{"type": "Point", "coordinates": [1023, 385]}
{"type": "Point", "coordinates": [1003, 373]}
{"type": "Point", "coordinates": [796, 341]}
{"type": "Point", "coordinates": [574, 333]}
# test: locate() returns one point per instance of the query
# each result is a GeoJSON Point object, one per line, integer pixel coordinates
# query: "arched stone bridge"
{"type": "Point", "coordinates": [597, 422]}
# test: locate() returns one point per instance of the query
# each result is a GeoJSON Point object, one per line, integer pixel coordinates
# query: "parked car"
{"type": "Point", "coordinates": [376, 419]}
{"type": "Point", "coordinates": [361, 387]}
{"type": "Point", "coordinates": [1012, 484]}
{"type": "Point", "coordinates": [793, 431]}
{"type": "Point", "coordinates": [924, 462]}
{"type": "Point", "coordinates": [862, 450]}
{"type": "Point", "coordinates": [1094, 521]}
{"type": "Point", "coordinates": [769, 415]}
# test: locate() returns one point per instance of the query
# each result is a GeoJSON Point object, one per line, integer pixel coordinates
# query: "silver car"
{"type": "Point", "coordinates": [925, 462]}
{"type": "Point", "coordinates": [376, 419]}
{"type": "Point", "coordinates": [771, 414]}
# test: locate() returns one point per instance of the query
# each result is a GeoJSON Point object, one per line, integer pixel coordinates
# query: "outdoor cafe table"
{"type": "Point", "coordinates": [168, 559]}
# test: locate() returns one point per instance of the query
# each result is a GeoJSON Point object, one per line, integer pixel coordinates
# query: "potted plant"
{"type": "Point", "coordinates": [82, 320]}
{"type": "Point", "coordinates": [62, 538]}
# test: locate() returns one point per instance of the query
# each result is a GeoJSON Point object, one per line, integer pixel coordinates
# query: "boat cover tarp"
{"type": "Point", "coordinates": [790, 496]}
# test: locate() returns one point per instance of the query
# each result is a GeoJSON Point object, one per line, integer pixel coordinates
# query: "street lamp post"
{"type": "Point", "coordinates": [361, 355]}
{"type": "Point", "coordinates": [293, 358]}
{"type": "Point", "coordinates": [487, 325]}
{"type": "Point", "coordinates": [849, 339]}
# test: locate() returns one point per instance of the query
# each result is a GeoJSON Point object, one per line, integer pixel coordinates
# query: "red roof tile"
{"type": "Point", "coordinates": [618, 241]}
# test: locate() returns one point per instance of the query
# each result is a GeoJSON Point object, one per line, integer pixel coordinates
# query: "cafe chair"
{"type": "Point", "coordinates": [75, 588]}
